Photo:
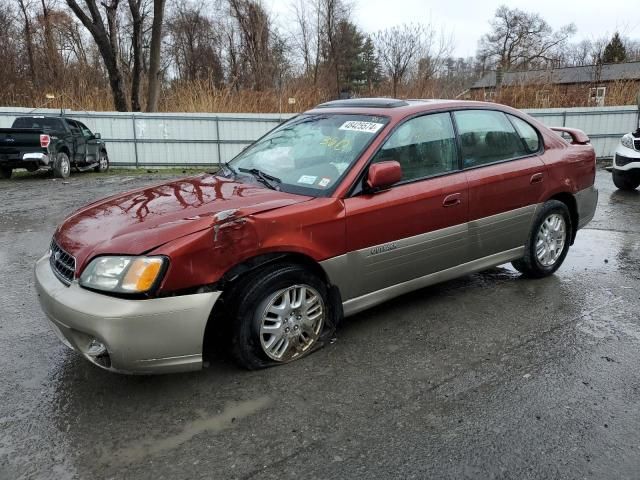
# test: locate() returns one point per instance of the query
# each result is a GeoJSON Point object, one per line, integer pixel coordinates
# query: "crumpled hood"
{"type": "Point", "coordinates": [141, 220]}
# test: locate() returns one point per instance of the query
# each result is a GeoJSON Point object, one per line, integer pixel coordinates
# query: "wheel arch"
{"type": "Point", "coordinates": [218, 325]}
{"type": "Point", "coordinates": [570, 201]}
{"type": "Point", "coordinates": [64, 149]}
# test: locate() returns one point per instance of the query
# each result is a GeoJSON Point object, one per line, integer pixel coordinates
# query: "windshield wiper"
{"type": "Point", "coordinates": [268, 180]}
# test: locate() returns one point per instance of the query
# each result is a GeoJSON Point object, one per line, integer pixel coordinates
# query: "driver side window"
{"type": "Point", "coordinates": [424, 146]}
{"type": "Point", "coordinates": [85, 131]}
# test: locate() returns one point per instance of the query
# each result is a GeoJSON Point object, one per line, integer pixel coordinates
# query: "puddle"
{"type": "Point", "coordinates": [609, 322]}
{"type": "Point", "coordinates": [145, 447]}
{"type": "Point", "coordinates": [604, 251]}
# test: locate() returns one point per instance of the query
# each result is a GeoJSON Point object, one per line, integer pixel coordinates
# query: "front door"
{"type": "Point", "coordinates": [418, 226]}
{"type": "Point", "coordinates": [91, 144]}
{"type": "Point", "coordinates": [506, 178]}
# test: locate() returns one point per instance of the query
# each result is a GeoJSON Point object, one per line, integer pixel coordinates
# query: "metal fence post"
{"type": "Point", "coordinates": [218, 140]}
{"type": "Point", "coordinates": [564, 118]}
{"type": "Point", "coordinates": [135, 137]}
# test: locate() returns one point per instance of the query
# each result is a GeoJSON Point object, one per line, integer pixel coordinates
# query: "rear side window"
{"type": "Point", "coordinates": [41, 123]}
{"type": "Point", "coordinates": [75, 129]}
{"type": "Point", "coordinates": [487, 136]}
{"type": "Point", "coordinates": [528, 134]}
{"type": "Point", "coordinates": [424, 146]}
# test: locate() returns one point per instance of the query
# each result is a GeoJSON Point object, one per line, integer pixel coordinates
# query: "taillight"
{"type": "Point", "coordinates": [45, 140]}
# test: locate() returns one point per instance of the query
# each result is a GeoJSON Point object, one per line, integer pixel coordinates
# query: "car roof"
{"type": "Point", "coordinates": [396, 108]}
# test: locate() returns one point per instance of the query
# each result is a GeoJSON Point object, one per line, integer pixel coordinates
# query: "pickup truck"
{"type": "Point", "coordinates": [51, 143]}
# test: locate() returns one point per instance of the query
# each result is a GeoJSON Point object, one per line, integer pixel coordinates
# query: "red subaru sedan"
{"type": "Point", "coordinates": [335, 211]}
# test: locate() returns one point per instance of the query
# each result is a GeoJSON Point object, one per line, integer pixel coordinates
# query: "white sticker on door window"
{"type": "Point", "coordinates": [368, 127]}
{"type": "Point", "coordinates": [307, 179]}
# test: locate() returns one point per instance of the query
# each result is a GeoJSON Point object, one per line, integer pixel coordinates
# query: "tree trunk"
{"type": "Point", "coordinates": [116, 79]}
{"type": "Point", "coordinates": [28, 34]}
{"type": "Point", "coordinates": [136, 43]}
{"type": "Point", "coordinates": [50, 48]}
{"type": "Point", "coordinates": [154, 56]}
{"type": "Point", "coordinates": [107, 43]}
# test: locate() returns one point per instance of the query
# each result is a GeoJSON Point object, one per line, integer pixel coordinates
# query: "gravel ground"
{"type": "Point", "coordinates": [487, 376]}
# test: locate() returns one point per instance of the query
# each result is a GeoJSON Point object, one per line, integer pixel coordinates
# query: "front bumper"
{"type": "Point", "coordinates": [141, 336]}
{"type": "Point", "coordinates": [626, 159]}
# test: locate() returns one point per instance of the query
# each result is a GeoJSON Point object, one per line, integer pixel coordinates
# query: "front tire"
{"type": "Point", "coordinates": [61, 166]}
{"type": "Point", "coordinates": [548, 242]}
{"type": "Point", "coordinates": [626, 180]}
{"type": "Point", "coordinates": [103, 163]}
{"type": "Point", "coordinates": [5, 173]}
{"type": "Point", "coordinates": [278, 316]}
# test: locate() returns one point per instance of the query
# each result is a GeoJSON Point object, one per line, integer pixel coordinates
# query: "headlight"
{"type": "Point", "coordinates": [627, 141]}
{"type": "Point", "coordinates": [123, 274]}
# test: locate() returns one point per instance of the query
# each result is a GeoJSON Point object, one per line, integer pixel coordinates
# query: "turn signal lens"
{"type": "Point", "coordinates": [142, 274]}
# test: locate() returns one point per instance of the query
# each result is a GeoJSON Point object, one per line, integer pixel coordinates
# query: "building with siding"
{"type": "Point", "coordinates": [589, 85]}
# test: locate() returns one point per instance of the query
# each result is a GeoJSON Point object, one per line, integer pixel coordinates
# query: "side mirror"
{"type": "Point", "coordinates": [97, 136]}
{"type": "Point", "coordinates": [383, 175]}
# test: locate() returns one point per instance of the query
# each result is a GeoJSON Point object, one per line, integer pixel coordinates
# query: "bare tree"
{"type": "Point", "coordinates": [137, 19]}
{"type": "Point", "coordinates": [194, 45]}
{"type": "Point", "coordinates": [106, 38]}
{"type": "Point", "coordinates": [155, 71]}
{"type": "Point", "coordinates": [521, 39]}
{"type": "Point", "coordinates": [303, 38]}
{"type": "Point", "coordinates": [255, 27]}
{"type": "Point", "coordinates": [398, 47]}
{"type": "Point", "coordinates": [28, 37]}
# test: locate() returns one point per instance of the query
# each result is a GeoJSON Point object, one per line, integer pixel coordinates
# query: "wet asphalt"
{"type": "Point", "coordinates": [487, 376]}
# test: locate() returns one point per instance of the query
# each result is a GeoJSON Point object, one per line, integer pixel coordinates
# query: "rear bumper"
{"type": "Point", "coordinates": [141, 336]}
{"type": "Point", "coordinates": [21, 160]}
{"type": "Point", "coordinates": [586, 201]}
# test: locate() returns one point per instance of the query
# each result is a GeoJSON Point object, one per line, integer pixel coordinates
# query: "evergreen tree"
{"type": "Point", "coordinates": [370, 64]}
{"type": "Point", "coordinates": [615, 51]}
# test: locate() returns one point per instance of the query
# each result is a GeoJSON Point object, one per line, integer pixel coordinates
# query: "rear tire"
{"type": "Point", "coordinates": [626, 180]}
{"type": "Point", "coordinates": [278, 316]}
{"type": "Point", "coordinates": [548, 242]}
{"type": "Point", "coordinates": [5, 173]}
{"type": "Point", "coordinates": [61, 166]}
{"type": "Point", "coordinates": [103, 163]}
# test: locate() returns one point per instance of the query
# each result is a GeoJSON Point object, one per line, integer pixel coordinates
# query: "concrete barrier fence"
{"type": "Point", "coordinates": [198, 139]}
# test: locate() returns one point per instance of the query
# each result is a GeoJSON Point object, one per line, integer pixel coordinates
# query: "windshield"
{"type": "Point", "coordinates": [310, 153]}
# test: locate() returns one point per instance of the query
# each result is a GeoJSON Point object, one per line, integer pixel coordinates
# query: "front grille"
{"type": "Point", "coordinates": [62, 264]}
{"type": "Point", "coordinates": [636, 144]}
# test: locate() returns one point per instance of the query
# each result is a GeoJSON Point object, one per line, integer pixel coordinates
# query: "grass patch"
{"type": "Point", "coordinates": [124, 172]}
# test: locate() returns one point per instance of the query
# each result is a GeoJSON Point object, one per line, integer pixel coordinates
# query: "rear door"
{"type": "Point", "coordinates": [79, 142]}
{"type": "Point", "coordinates": [501, 160]}
{"type": "Point", "coordinates": [418, 226]}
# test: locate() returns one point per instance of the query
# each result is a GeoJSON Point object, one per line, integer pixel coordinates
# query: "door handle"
{"type": "Point", "coordinates": [536, 178]}
{"type": "Point", "coordinates": [451, 200]}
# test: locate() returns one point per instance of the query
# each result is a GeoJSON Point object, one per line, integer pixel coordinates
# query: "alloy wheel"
{"type": "Point", "coordinates": [551, 240]}
{"type": "Point", "coordinates": [291, 322]}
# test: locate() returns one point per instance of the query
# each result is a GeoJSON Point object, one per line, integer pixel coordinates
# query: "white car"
{"type": "Point", "coordinates": [626, 162]}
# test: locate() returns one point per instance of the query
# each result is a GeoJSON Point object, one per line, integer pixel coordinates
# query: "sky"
{"type": "Point", "coordinates": [468, 20]}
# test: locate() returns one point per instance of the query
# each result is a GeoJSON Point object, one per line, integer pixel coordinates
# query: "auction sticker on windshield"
{"type": "Point", "coordinates": [307, 179]}
{"type": "Point", "coordinates": [369, 127]}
